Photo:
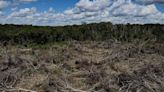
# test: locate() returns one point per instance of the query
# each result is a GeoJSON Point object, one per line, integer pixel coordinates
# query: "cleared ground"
{"type": "Point", "coordinates": [109, 66]}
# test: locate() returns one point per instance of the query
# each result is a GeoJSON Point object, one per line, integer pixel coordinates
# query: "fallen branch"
{"type": "Point", "coordinates": [17, 89]}
{"type": "Point", "coordinates": [75, 90]}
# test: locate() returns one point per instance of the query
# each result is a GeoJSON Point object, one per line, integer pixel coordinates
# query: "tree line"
{"type": "Point", "coordinates": [24, 34]}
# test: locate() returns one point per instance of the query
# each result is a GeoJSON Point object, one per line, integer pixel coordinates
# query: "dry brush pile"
{"type": "Point", "coordinates": [109, 66]}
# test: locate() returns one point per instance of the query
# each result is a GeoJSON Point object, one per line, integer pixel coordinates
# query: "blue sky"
{"type": "Point", "coordinates": [44, 5]}
{"type": "Point", "coordinates": [160, 7]}
{"type": "Point", "coordinates": [66, 12]}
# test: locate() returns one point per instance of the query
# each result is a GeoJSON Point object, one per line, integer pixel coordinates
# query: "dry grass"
{"type": "Point", "coordinates": [83, 67]}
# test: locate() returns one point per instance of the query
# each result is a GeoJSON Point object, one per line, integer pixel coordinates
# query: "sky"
{"type": "Point", "coordinates": [68, 12]}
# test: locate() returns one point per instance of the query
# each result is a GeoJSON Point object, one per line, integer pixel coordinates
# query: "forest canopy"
{"type": "Point", "coordinates": [24, 34]}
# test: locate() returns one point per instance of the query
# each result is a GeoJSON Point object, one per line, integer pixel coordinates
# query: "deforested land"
{"type": "Point", "coordinates": [97, 57]}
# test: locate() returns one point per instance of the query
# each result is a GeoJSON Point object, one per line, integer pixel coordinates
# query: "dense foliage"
{"type": "Point", "coordinates": [24, 34]}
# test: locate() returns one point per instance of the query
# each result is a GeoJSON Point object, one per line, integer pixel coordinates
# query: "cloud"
{"type": "Point", "coordinates": [116, 11]}
{"type": "Point", "coordinates": [23, 12]}
{"type": "Point", "coordinates": [1, 14]}
{"type": "Point", "coordinates": [4, 4]}
{"type": "Point", "coordinates": [93, 5]}
{"type": "Point", "coordinates": [130, 9]}
{"type": "Point", "coordinates": [9, 3]}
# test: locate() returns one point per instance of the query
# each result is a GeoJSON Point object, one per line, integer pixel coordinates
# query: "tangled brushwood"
{"type": "Point", "coordinates": [87, 66]}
